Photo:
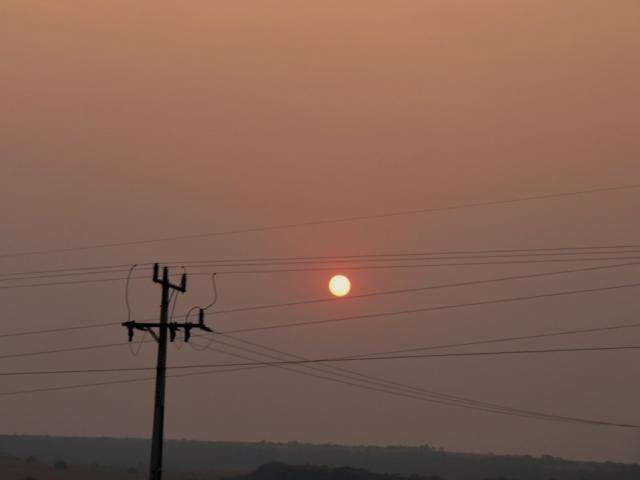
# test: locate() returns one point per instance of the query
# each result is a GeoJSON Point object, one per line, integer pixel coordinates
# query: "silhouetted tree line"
{"type": "Point", "coordinates": [398, 460]}
{"type": "Point", "coordinates": [281, 471]}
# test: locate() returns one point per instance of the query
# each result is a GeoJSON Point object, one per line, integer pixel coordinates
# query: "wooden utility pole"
{"type": "Point", "coordinates": [165, 329]}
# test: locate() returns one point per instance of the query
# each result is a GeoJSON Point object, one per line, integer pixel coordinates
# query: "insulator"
{"type": "Point", "coordinates": [156, 271]}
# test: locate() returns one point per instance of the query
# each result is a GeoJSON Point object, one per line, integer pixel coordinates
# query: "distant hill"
{"type": "Point", "coordinates": [13, 468]}
{"type": "Point", "coordinates": [181, 455]}
{"type": "Point", "coordinates": [31, 468]}
{"type": "Point", "coordinates": [280, 471]}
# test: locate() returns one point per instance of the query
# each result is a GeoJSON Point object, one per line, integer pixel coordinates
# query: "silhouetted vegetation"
{"type": "Point", "coordinates": [280, 471]}
{"type": "Point", "coordinates": [421, 462]}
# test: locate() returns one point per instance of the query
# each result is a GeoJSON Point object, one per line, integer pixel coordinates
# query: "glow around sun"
{"type": "Point", "coordinates": [339, 285]}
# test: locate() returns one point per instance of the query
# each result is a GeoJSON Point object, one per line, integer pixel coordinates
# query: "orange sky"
{"type": "Point", "coordinates": [126, 121]}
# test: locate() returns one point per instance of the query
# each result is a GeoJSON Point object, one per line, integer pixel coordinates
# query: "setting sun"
{"type": "Point", "coordinates": [339, 285]}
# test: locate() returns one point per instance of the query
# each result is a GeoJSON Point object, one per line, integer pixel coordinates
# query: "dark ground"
{"type": "Point", "coordinates": [110, 458]}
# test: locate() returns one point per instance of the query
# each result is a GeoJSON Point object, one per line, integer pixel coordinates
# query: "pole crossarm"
{"type": "Point", "coordinates": [174, 327]}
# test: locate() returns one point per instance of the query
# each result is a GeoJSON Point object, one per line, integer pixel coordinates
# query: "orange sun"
{"type": "Point", "coordinates": [339, 285]}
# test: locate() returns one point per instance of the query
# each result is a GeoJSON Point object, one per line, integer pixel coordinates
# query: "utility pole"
{"type": "Point", "coordinates": [165, 328]}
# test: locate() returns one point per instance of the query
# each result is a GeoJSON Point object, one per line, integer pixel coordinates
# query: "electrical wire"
{"type": "Point", "coordinates": [435, 397]}
{"type": "Point", "coordinates": [495, 253]}
{"type": "Point", "coordinates": [63, 350]}
{"type": "Point", "coordinates": [534, 336]}
{"type": "Point", "coordinates": [614, 327]}
{"type": "Point", "coordinates": [311, 223]}
{"type": "Point", "coordinates": [365, 295]}
{"type": "Point", "coordinates": [414, 266]}
{"type": "Point", "coordinates": [432, 309]}
{"type": "Point", "coordinates": [360, 358]}
{"type": "Point", "coordinates": [123, 267]}
{"type": "Point", "coordinates": [71, 282]}
{"type": "Point", "coordinates": [56, 330]}
{"type": "Point", "coordinates": [405, 391]}
{"type": "Point", "coordinates": [430, 395]}
{"type": "Point", "coordinates": [204, 309]}
{"type": "Point", "coordinates": [565, 250]}
{"type": "Point", "coordinates": [375, 386]}
{"type": "Point", "coordinates": [116, 382]}
{"type": "Point", "coordinates": [174, 296]}
{"type": "Point", "coordinates": [417, 257]}
{"type": "Point", "coordinates": [350, 374]}
{"type": "Point", "coordinates": [337, 263]}
{"type": "Point", "coordinates": [126, 292]}
{"type": "Point", "coordinates": [324, 269]}
{"type": "Point", "coordinates": [424, 288]}
{"type": "Point", "coordinates": [134, 351]}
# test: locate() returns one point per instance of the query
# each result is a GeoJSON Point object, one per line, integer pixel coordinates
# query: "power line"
{"type": "Point", "coordinates": [387, 256]}
{"type": "Point", "coordinates": [71, 282]}
{"type": "Point", "coordinates": [116, 382]}
{"type": "Point", "coordinates": [381, 258]}
{"type": "Point", "coordinates": [413, 266]}
{"type": "Point", "coordinates": [431, 395]}
{"type": "Point", "coordinates": [324, 269]}
{"type": "Point", "coordinates": [73, 271]}
{"type": "Point", "coordinates": [424, 288]}
{"type": "Point", "coordinates": [63, 350]}
{"type": "Point", "coordinates": [395, 393]}
{"type": "Point", "coordinates": [512, 338]}
{"type": "Point", "coordinates": [351, 262]}
{"type": "Point", "coordinates": [328, 360]}
{"type": "Point", "coordinates": [366, 295]}
{"type": "Point", "coordinates": [495, 353]}
{"type": "Point", "coordinates": [433, 309]}
{"type": "Point", "coordinates": [55, 330]}
{"type": "Point", "coordinates": [565, 250]}
{"type": "Point", "coordinates": [357, 218]}
{"type": "Point", "coordinates": [377, 386]}
{"type": "Point", "coordinates": [349, 374]}
{"type": "Point", "coordinates": [444, 399]}
{"type": "Point", "coordinates": [614, 327]}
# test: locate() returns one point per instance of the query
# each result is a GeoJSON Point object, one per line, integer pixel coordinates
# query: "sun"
{"type": "Point", "coordinates": [339, 285]}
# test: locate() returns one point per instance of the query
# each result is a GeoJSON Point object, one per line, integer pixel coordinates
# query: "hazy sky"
{"type": "Point", "coordinates": [130, 120]}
